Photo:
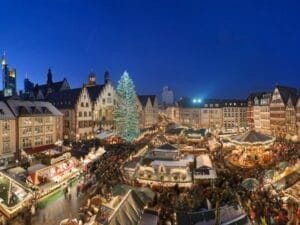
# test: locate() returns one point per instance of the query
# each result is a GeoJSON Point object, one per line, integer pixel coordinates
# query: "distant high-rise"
{"type": "Point", "coordinates": [167, 96]}
{"type": "Point", "coordinates": [9, 79]}
{"type": "Point", "coordinates": [28, 85]}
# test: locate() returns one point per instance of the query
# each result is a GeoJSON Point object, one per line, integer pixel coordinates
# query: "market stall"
{"type": "Point", "coordinates": [41, 174]}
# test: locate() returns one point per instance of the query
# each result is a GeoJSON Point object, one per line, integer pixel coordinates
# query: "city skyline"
{"type": "Point", "coordinates": [253, 45]}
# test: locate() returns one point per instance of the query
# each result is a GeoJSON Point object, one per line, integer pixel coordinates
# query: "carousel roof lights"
{"type": "Point", "coordinates": [252, 138]}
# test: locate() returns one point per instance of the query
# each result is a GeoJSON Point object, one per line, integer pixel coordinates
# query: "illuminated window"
{"type": "Point", "coordinates": [49, 139]}
{"type": "Point", "coordinates": [12, 73]}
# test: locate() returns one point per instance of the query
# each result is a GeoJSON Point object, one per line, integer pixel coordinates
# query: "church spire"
{"type": "Point", "coordinates": [49, 78]}
{"type": "Point", "coordinates": [106, 77]}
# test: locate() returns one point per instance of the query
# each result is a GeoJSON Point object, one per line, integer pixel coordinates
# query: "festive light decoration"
{"type": "Point", "coordinates": [126, 113]}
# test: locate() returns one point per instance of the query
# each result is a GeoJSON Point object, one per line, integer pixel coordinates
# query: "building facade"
{"type": "Point", "coordinates": [290, 117]}
{"type": "Point", "coordinates": [148, 110]}
{"type": "Point", "coordinates": [211, 115]}
{"type": "Point", "coordinates": [298, 117]}
{"type": "Point", "coordinates": [265, 113]}
{"type": "Point", "coordinates": [38, 125]}
{"type": "Point", "coordinates": [167, 96]}
{"type": "Point", "coordinates": [104, 99]}
{"type": "Point", "coordinates": [7, 136]}
{"type": "Point", "coordinates": [250, 108]}
{"type": "Point", "coordinates": [84, 119]}
{"type": "Point", "coordinates": [281, 112]}
{"type": "Point", "coordinates": [235, 115]}
{"type": "Point", "coordinates": [86, 110]}
{"type": "Point", "coordinates": [216, 114]}
{"type": "Point", "coordinates": [256, 114]}
{"type": "Point", "coordinates": [76, 106]}
{"type": "Point", "coordinates": [189, 116]}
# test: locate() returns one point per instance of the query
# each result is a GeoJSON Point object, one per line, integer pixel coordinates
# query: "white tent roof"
{"type": "Point", "coordinates": [104, 135]}
{"type": "Point", "coordinates": [179, 163]}
{"type": "Point", "coordinates": [203, 160]}
{"type": "Point", "coordinates": [36, 167]}
{"type": "Point", "coordinates": [16, 170]}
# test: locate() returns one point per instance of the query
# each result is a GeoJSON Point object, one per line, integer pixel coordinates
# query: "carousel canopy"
{"type": "Point", "coordinates": [252, 138]}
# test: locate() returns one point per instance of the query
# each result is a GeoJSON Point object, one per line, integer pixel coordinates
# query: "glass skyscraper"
{"type": "Point", "coordinates": [9, 79]}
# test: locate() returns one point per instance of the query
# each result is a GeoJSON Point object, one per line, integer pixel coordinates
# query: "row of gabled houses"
{"type": "Point", "coordinates": [44, 115]}
{"type": "Point", "coordinates": [276, 113]}
{"type": "Point", "coordinates": [89, 109]}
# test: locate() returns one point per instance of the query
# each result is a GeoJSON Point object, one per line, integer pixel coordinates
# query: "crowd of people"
{"type": "Point", "coordinates": [103, 173]}
{"type": "Point", "coordinates": [264, 204]}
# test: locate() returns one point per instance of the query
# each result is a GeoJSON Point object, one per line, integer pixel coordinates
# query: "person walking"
{"type": "Point", "coordinates": [65, 192]}
{"type": "Point", "coordinates": [69, 193]}
{"type": "Point", "coordinates": [78, 190]}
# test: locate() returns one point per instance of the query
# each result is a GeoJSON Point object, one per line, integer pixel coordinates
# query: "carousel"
{"type": "Point", "coordinates": [251, 149]}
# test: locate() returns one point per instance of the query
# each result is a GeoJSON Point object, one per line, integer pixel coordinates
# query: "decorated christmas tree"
{"type": "Point", "coordinates": [126, 112]}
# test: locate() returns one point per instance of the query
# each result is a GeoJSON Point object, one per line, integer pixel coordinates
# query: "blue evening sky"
{"type": "Point", "coordinates": [200, 48]}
